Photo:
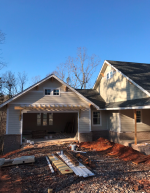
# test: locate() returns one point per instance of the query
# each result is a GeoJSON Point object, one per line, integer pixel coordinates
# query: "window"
{"type": "Point", "coordinates": [51, 119]}
{"type": "Point", "coordinates": [39, 119]}
{"type": "Point", "coordinates": [56, 92]}
{"type": "Point", "coordinates": [138, 117]}
{"type": "Point", "coordinates": [47, 91]}
{"type": "Point", "coordinates": [96, 118]}
{"type": "Point", "coordinates": [107, 76]}
{"type": "Point", "coordinates": [44, 119]}
{"type": "Point", "coordinates": [110, 74]}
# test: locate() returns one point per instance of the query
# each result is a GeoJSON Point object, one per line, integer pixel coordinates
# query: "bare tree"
{"type": "Point", "coordinates": [2, 39]}
{"type": "Point", "coordinates": [9, 84]}
{"type": "Point", "coordinates": [22, 80]}
{"type": "Point", "coordinates": [77, 72]}
{"type": "Point", "coordinates": [35, 79]}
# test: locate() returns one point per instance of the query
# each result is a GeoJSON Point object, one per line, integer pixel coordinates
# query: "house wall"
{"type": "Point", "coordinates": [117, 88]}
{"type": "Point", "coordinates": [128, 126]}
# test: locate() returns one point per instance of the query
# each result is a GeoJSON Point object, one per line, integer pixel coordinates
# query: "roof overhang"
{"type": "Point", "coordinates": [40, 82]}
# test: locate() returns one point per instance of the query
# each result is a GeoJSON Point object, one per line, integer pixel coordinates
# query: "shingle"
{"type": "Point", "coordinates": [93, 96]}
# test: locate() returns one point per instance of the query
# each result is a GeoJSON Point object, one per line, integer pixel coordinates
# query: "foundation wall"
{"type": "Point", "coordinates": [83, 137]}
{"type": "Point", "coordinates": [11, 143]}
{"type": "Point", "coordinates": [98, 134]}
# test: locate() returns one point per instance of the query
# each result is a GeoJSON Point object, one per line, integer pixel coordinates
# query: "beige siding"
{"type": "Point", "coordinates": [84, 122]}
{"type": "Point", "coordinates": [118, 88]}
{"type": "Point", "coordinates": [127, 121]}
{"type": "Point", "coordinates": [14, 124]}
{"type": "Point", "coordinates": [114, 122]}
{"type": "Point", "coordinates": [37, 96]}
{"type": "Point", "coordinates": [103, 119]}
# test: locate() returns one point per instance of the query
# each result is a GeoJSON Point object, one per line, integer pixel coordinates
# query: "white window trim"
{"type": "Point", "coordinates": [100, 119]}
{"type": "Point", "coordinates": [113, 72]}
{"type": "Point", "coordinates": [52, 90]}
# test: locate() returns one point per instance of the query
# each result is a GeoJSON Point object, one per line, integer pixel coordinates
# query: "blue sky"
{"type": "Point", "coordinates": [41, 34]}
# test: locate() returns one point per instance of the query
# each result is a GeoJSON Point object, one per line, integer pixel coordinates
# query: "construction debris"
{"type": "Point", "coordinates": [79, 170]}
{"type": "Point", "coordinates": [49, 164]}
{"type": "Point", "coordinates": [61, 166]}
{"type": "Point", "coordinates": [85, 159]}
{"type": "Point", "coordinates": [2, 160]}
{"type": "Point", "coordinates": [19, 160]}
{"type": "Point", "coordinates": [72, 158]}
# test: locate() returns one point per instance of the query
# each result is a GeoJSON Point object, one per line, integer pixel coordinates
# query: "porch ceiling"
{"type": "Point", "coordinates": [49, 107]}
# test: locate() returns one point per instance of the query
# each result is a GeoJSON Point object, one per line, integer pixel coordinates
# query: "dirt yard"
{"type": "Point", "coordinates": [116, 169]}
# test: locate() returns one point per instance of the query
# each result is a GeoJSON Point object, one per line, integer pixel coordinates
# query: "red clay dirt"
{"type": "Point", "coordinates": [115, 149]}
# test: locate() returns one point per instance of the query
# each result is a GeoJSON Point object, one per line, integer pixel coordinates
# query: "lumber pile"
{"type": "Point", "coordinates": [85, 159]}
{"type": "Point", "coordinates": [72, 158]}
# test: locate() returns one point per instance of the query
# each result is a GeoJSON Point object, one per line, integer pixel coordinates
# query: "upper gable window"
{"type": "Point", "coordinates": [56, 92]}
{"type": "Point", "coordinates": [110, 74]}
{"type": "Point", "coordinates": [47, 91]}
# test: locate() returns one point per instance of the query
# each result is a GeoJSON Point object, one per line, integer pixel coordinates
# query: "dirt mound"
{"type": "Point", "coordinates": [115, 149]}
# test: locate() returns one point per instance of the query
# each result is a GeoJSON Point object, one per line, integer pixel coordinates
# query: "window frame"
{"type": "Point", "coordinates": [43, 120]}
{"type": "Point", "coordinates": [141, 117]}
{"type": "Point", "coordinates": [39, 119]}
{"type": "Point", "coordinates": [96, 125]}
{"type": "Point", "coordinates": [52, 91]}
{"type": "Point", "coordinates": [110, 74]}
{"type": "Point", "coordinates": [50, 119]}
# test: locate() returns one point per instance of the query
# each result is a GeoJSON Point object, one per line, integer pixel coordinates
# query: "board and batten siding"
{"type": "Point", "coordinates": [118, 88]}
{"type": "Point", "coordinates": [37, 97]}
{"type": "Point", "coordinates": [127, 121]}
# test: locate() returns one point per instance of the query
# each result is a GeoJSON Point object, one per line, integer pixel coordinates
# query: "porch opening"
{"type": "Point", "coordinates": [49, 126]}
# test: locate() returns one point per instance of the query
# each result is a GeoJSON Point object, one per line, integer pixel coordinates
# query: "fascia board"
{"type": "Point", "coordinates": [99, 75]}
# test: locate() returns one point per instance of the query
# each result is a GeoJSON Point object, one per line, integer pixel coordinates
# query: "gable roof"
{"type": "Point", "coordinates": [40, 82]}
{"type": "Point", "coordinates": [137, 73]}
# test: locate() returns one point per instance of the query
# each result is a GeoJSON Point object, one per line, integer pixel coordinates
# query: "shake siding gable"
{"type": "Point", "coordinates": [118, 88]}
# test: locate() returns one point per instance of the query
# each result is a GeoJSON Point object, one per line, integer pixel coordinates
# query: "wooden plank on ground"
{"type": "Point", "coordinates": [60, 165]}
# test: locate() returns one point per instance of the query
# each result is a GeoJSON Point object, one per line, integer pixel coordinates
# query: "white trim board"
{"type": "Point", "coordinates": [125, 108]}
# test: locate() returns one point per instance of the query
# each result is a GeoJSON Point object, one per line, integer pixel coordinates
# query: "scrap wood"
{"type": "Point", "coordinates": [60, 165]}
{"type": "Point", "coordinates": [72, 158]}
{"type": "Point", "coordinates": [19, 160]}
{"type": "Point", "coordinates": [84, 158]}
{"type": "Point", "coordinates": [79, 170]}
{"type": "Point", "coordinates": [49, 164]}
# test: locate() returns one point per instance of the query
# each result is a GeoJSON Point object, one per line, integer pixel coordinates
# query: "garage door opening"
{"type": "Point", "coordinates": [49, 126]}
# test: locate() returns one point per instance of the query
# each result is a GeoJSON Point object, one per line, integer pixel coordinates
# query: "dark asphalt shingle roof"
{"type": "Point", "coordinates": [129, 103]}
{"type": "Point", "coordinates": [138, 72]}
{"type": "Point", "coordinates": [93, 96]}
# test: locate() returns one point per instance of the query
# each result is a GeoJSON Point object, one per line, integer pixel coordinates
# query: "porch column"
{"type": "Point", "coordinates": [135, 129]}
